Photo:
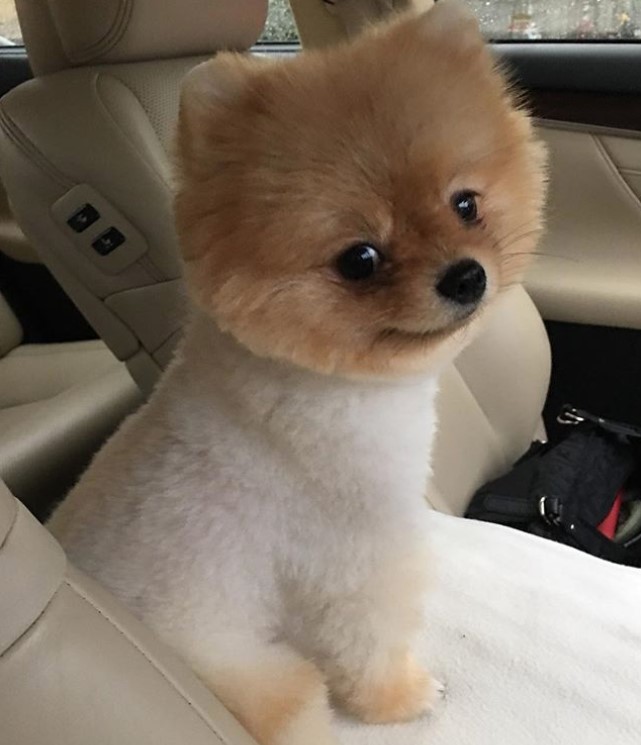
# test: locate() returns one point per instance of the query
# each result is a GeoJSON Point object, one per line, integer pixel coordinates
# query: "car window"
{"type": "Point", "coordinates": [504, 20]}
{"type": "Point", "coordinates": [280, 26]}
{"type": "Point", "coordinates": [507, 20]}
{"type": "Point", "coordinates": [10, 33]}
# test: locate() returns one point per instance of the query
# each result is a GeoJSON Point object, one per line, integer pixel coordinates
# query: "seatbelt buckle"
{"type": "Point", "coordinates": [551, 510]}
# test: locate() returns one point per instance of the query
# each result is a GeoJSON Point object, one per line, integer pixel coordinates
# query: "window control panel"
{"type": "Point", "coordinates": [83, 218]}
{"type": "Point", "coordinates": [99, 231]}
{"type": "Point", "coordinates": [108, 241]}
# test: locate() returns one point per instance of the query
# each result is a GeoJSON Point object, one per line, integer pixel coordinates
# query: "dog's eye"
{"type": "Point", "coordinates": [359, 262]}
{"type": "Point", "coordinates": [464, 204]}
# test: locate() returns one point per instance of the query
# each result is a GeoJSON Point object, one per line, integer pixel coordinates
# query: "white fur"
{"type": "Point", "coordinates": [250, 501]}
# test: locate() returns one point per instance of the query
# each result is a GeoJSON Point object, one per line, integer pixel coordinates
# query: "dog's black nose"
{"type": "Point", "coordinates": [463, 283]}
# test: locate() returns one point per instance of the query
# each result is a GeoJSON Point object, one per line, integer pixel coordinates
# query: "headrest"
{"type": "Point", "coordinates": [322, 23]}
{"type": "Point", "coordinates": [358, 14]}
{"type": "Point", "coordinates": [69, 33]}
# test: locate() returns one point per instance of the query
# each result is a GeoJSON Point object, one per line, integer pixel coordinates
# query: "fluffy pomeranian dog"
{"type": "Point", "coordinates": [345, 218]}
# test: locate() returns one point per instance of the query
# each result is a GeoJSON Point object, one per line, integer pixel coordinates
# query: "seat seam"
{"type": "Point", "coordinates": [145, 262]}
{"type": "Point", "coordinates": [45, 399]}
{"type": "Point", "coordinates": [598, 130]}
{"type": "Point", "coordinates": [156, 667]}
{"type": "Point", "coordinates": [157, 174]}
{"type": "Point", "coordinates": [27, 147]}
{"type": "Point", "coordinates": [614, 170]}
{"type": "Point", "coordinates": [74, 387]}
{"type": "Point", "coordinates": [30, 352]}
{"type": "Point", "coordinates": [32, 624]}
{"type": "Point", "coordinates": [14, 520]}
{"type": "Point", "coordinates": [110, 38]}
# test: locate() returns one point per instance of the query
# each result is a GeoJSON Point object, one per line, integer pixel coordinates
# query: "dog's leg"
{"type": "Point", "coordinates": [278, 696]}
{"type": "Point", "coordinates": [365, 645]}
{"type": "Point", "coordinates": [390, 687]}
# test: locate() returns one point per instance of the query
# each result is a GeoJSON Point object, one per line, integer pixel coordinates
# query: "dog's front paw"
{"type": "Point", "coordinates": [403, 694]}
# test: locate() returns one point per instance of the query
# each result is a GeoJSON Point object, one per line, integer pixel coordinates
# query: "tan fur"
{"type": "Point", "coordinates": [391, 687]}
{"type": "Point", "coordinates": [266, 703]}
{"type": "Point", "coordinates": [294, 161]}
{"type": "Point", "coordinates": [401, 692]}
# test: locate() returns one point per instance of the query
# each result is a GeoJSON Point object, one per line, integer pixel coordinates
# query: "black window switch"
{"type": "Point", "coordinates": [108, 241]}
{"type": "Point", "coordinates": [84, 217]}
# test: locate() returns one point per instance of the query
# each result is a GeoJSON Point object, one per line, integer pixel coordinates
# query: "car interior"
{"type": "Point", "coordinates": [91, 308]}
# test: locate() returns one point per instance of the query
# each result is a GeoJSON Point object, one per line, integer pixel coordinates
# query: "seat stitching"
{"type": "Point", "coordinates": [23, 143]}
{"type": "Point", "coordinates": [11, 527]}
{"type": "Point", "coordinates": [155, 665]}
{"type": "Point", "coordinates": [158, 176]}
{"type": "Point", "coordinates": [614, 170]}
{"type": "Point", "coordinates": [26, 350]}
{"type": "Point", "coordinates": [145, 262]}
{"type": "Point", "coordinates": [594, 129]}
{"type": "Point", "coordinates": [111, 37]}
{"type": "Point", "coordinates": [78, 385]}
{"type": "Point", "coordinates": [32, 624]}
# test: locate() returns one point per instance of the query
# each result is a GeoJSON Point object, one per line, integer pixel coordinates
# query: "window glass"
{"type": "Point", "coordinates": [280, 24]}
{"type": "Point", "coordinates": [618, 20]}
{"type": "Point", "coordinates": [9, 28]}
{"type": "Point", "coordinates": [504, 20]}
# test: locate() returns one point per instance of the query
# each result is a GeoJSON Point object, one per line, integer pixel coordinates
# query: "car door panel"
{"type": "Point", "coordinates": [587, 282]}
{"type": "Point", "coordinates": [590, 267]}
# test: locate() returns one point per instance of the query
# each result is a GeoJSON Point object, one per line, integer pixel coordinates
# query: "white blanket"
{"type": "Point", "coordinates": [537, 643]}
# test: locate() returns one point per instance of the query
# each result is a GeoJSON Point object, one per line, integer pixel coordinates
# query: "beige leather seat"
{"type": "Point", "coordinates": [58, 403]}
{"type": "Point", "coordinates": [95, 128]}
{"type": "Point", "coordinates": [490, 402]}
{"type": "Point", "coordinates": [75, 668]}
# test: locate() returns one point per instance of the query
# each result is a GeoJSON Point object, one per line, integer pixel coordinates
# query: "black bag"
{"type": "Point", "coordinates": [564, 491]}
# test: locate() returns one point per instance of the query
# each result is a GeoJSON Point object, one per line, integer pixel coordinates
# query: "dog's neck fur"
{"type": "Point", "coordinates": [211, 360]}
{"type": "Point", "coordinates": [376, 433]}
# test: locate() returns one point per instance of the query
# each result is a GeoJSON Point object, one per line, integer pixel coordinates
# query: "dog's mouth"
{"type": "Point", "coordinates": [437, 333]}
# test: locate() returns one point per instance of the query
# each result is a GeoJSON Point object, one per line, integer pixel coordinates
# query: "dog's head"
{"type": "Point", "coordinates": [353, 210]}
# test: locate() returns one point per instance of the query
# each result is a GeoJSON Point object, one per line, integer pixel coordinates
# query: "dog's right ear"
{"type": "Point", "coordinates": [209, 91]}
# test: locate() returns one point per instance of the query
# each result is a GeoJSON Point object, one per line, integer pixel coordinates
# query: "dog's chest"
{"type": "Point", "coordinates": [360, 445]}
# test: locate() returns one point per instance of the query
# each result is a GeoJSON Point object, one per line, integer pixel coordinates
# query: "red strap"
{"type": "Point", "coordinates": [609, 525]}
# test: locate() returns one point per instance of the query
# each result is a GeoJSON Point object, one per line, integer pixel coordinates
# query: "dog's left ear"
{"type": "Point", "coordinates": [209, 91]}
{"type": "Point", "coordinates": [452, 23]}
